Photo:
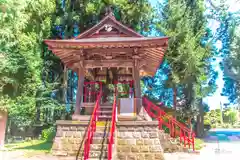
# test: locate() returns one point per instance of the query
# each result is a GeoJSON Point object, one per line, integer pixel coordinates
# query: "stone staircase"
{"type": "Point", "coordinates": [99, 146]}
{"type": "Point", "coordinates": [170, 144]}
{"type": "Point", "coordinates": [105, 112]}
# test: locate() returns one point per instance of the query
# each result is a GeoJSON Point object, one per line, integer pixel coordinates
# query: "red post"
{"type": "Point", "coordinates": [193, 141]}
{"type": "Point", "coordinates": [184, 138]}
{"type": "Point", "coordinates": [3, 123]}
{"type": "Point", "coordinates": [160, 123]}
{"type": "Point", "coordinates": [85, 93]}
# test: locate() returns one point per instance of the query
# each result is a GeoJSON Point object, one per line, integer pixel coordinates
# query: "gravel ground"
{"type": "Point", "coordinates": [212, 151]}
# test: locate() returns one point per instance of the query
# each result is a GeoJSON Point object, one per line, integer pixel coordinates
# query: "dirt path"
{"type": "Point", "coordinates": [212, 151]}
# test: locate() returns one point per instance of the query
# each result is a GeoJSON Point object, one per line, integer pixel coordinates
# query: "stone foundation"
{"type": "Point", "coordinates": [138, 140]}
{"type": "Point", "coordinates": [135, 140]}
{"type": "Point", "coordinates": [69, 140]}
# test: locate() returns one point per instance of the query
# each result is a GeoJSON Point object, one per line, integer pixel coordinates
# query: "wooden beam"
{"type": "Point", "coordinates": [108, 63]}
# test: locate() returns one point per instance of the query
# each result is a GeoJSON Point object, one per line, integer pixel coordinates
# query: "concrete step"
{"type": "Point", "coordinates": [100, 134]}
{"type": "Point", "coordinates": [100, 140]}
{"type": "Point", "coordinates": [103, 123]}
{"type": "Point", "coordinates": [99, 147]}
{"type": "Point", "coordinates": [106, 107]}
{"type": "Point", "coordinates": [104, 117]}
{"type": "Point", "coordinates": [99, 155]}
{"type": "Point", "coordinates": [105, 112]}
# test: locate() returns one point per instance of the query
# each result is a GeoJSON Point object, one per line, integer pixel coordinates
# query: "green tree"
{"type": "Point", "coordinates": [213, 118]}
{"type": "Point", "coordinates": [24, 25]}
{"type": "Point", "coordinates": [188, 57]}
{"type": "Point", "coordinates": [230, 116]}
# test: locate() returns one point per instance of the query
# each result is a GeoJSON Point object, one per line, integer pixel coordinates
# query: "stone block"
{"type": "Point", "coordinates": [155, 148]}
{"type": "Point", "coordinates": [148, 141]}
{"type": "Point", "coordinates": [72, 153]}
{"type": "Point", "coordinates": [59, 128]}
{"type": "Point", "coordinates": [135, 149]}
{"type": "Point", "coordinates": [73, 128]}
{"type": "Point", "coordinates": [148, 129]}
{"type": "Point", "coordinates": [78, 140]}
{"type": "Point", "coordinates": [79, 128]}
{"type": "Point", "coordinates": [65, 128]}
{"type": "Point", "coordinates": [149, 156]}
{"type": "Point", "coordinates": [131, 157]}
{"type": "Point", "coordinates": [157, 141]}
{"type": "Point", "coordinates": [131, 141]}
{"type": "Point", "coordinates": [128, 134]}
{"type": "Point", "coordinates": [69, 134]}
{"type": "Point", "coordinates": [131, 129]}
{"type": "Point", "coordinates": [145, 134]}
{"type": "Point", "coordinates": [77, 134]}
{"type": "Point", "coordinates": [59, 153]}
{"type": "Point", "coordinates": [122, 142]}
{"type": "Point", "coordinates": [137, 134]}
{"type": "Point", "coordinates": [64, 140]}
{"type": "Point", "coordinates": [57, 139]}
{"type": "Point", "coordinates": [139, 129]}
{"type": "Point", "coordinates": [159, 156]}
{"type": "Point", "coordinates": [122, 129]}
{"type": "Point", "coordinates": [144, 149]}
{"type": "Point", "coordinates": [95, 154]}
{"type": "Point", "coordinates": [121, 156]}
{"type": "Point", "coordinates": [153, 135]}
{"type": "Point", "coordinates": [140, 156]}
{"type": "Point", "coordinates": [55, 146]}
{"type": "Point", "coordinates": [59, 134]}
{"type": "Point", "coordinates": [71, 140]}
{"type": "Point", "coordinates": [121, 134]}
{"type": "Point", "coordinates": [125, 149]}
{"type": "Point", "coordinates": [139, 141]}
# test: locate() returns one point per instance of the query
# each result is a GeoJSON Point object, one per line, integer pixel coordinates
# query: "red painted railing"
{"type": "Point", "coordinates": [91, 91]}
{"type": "Point", "coordinates": [176, 128]}
{"type": "Point", "coordinates": [91, 128]}
{"type": "Point", "coordinates": [112, 131]}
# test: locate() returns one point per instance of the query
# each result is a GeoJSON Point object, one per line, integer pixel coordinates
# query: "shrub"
{"type": "Point", "coordinates": [49, 134]}
{"type": "Point", "coordinates": [199, 144]}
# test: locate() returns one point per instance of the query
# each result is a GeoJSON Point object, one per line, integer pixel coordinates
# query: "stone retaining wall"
{"type": "Point", "coordinates": [69, 138]}
{"type": "Point", "coordinates": [138, 140]}
{"type": "Point", "coordinates": [135, 140]}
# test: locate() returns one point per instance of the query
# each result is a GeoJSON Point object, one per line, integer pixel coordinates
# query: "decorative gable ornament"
{"type": "Point", "coordinates": [108, 27]}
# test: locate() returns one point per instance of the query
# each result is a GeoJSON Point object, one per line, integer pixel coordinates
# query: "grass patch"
{"type": "Point", "coordinates": [199, 144]}
{"type": "Point", "coordinates": [31, 148]}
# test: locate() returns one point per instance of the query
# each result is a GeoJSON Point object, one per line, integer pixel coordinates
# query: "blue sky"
{"type": "Point", "coordinates": [215, 100]}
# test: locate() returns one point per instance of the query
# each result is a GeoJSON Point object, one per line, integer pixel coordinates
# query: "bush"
{"type": "Point", "coordinates": [49, 134]}
{"type": "Point", "coordinates": [199, 144]}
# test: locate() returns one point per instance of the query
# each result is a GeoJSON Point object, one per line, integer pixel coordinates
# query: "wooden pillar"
{"type": "Point", "coordinates": [137, 87]}
{"type": "Point", "coordinates": [79, 97]}
{"type": "Point", "coordinates": [65, 81]}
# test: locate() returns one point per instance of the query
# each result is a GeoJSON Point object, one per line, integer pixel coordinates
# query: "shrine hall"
{"type": "Point", "coordinates": [112, 122]}
{"type": "Point", "coordinates": [110, 52]}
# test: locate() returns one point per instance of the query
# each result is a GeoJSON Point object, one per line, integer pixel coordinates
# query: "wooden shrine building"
{"type": "Point", "coordinates": [110, 51]}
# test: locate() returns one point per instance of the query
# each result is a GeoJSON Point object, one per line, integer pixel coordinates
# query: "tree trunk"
{"type": "Point", "coordinates": [200, 121]}
{"type": "Point", "coordinates": [175, 106]}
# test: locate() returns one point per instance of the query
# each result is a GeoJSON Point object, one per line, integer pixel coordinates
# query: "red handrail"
{"type": "Point", "coordinates": [175, 128]}
{"type": "Point", "coordinates": [112, 131]}
{"type": "Point", "coordinates": [91, 128]}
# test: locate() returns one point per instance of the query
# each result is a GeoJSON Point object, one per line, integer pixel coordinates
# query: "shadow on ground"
{"type": "Point", "coordinates": [46, 146]}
